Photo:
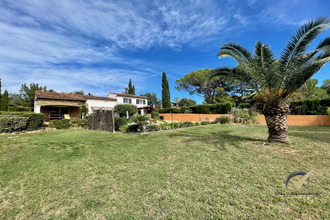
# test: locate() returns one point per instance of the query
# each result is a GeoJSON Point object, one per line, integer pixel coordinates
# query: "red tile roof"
{"type": "Point", "coordinates": [128, 95]}
{"type": "Point", "coordinates": [68, 96]}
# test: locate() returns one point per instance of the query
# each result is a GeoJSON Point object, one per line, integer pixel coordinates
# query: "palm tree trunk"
{"type": "Point", "coordinates": [277, 123]}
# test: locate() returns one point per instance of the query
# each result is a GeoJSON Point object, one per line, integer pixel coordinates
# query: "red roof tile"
{"type": "Point", "coordinates": [128, 95]}
{"type": "Point", "coordinates": [68, 96]}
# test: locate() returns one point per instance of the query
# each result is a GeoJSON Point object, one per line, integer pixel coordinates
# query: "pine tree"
{"type": "Point", "coordinates": [166, 100]}
{"type": "Point", "coordinates": [4, 101]}
{"type": "Point", "coordinates": [130, 88]}
{"type": "Point", "coordinates": [133, 90]}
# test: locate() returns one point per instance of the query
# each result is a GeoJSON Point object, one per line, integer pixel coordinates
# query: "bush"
{"type": "Point", "coordinates": [130, 128]}
{"type": "Point", "coordinates": [60, 124]}
{"type": "Point", "coordinates": [222, 108]}
{"type": "Point", "coordinates": [244, 105]}
{"type": "Point", "coordinates": [183, 109]}
{"type": "Point", "coordinates": [150, 128]}
{"type": "Point", "coordinates": [165, 126]}
{"type": "Point", "coordinates": [155, 114]}
{"type": "Point", "coordinates": [18, 109]}
{"type": "Point", "coordinates": [197, 124]}
{"type": "Point", "coordinates": [140, 120]}
{"type": "Point", "coordinates": [122, 108]}
{"type": "Point", "coordinates": [203, 109]}
{"type": "Point", "coordinates": [13, 123]}
{"type": "Point", "coordinates": [205, 123]}
{"type": "Point", "coordinates": [120, 122]}
{"type": "Point", "coordinates": [222, 120]}
{"type": "Point", "coordinates": [310, 107]}
{"type": "Point", "coordinates": [245, 116]}
{"type": "Point", "coordinates": [169, 110]}
{"type": "Point", "coordinates": [79, 123]}
{"type": "Point", "coordinates": [35, 120]}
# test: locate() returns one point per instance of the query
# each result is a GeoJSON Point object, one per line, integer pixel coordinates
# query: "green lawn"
{"type": "Point", "coordinates": [208, 172]}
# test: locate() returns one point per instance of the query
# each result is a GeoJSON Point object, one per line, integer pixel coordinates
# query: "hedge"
{"type": "Point", "coordinates": [18, 109]}
{"type": "Point", "coordinates": [34, 120]}
{"type": "Point", "coordinates": [60, 124]}
{"type": "Point", "coordinates": [219, 108]}
{"type": "Point", "coordinates": [122, 108]}
{"type": "Point", "coordinates": [119, 122]}
{"type": "Point", "coordinates": [310, 107]}
{"type": "Point", "coordinates": [13, 123]}
{"type": "Point", "coordinates": [169, 110]}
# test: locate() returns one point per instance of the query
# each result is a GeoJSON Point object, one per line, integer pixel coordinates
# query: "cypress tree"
{"type": "Point", "coordinates": [166, 100]}
{"type": "Point", "coordinates": [4, 101]}
{"type": "Point", "coordinates": [0, 93]}
{"type": "Point", "coordinates": [133, 90]}
{"type": "Point", "coordinates": [130, 88]}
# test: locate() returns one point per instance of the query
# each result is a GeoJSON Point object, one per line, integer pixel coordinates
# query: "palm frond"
{"type": "Point", "coordinates": [302, 38]}
{"type": "Point", "coordinates": [235, 51]}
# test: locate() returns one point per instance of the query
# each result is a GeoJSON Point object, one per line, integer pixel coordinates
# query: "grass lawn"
{"type": "Point", "coordinates": [208, 172]}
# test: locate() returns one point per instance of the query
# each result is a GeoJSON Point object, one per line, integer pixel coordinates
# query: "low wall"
{"type": "Point", "coordinates": [303, 120]}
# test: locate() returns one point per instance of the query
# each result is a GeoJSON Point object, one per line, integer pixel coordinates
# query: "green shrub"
{"type": "Point", "coordinates": [60, 124]}
{"type": "Point", "coordinates": [18, 109]}
{"type": "Point", "coordinates": [35, 120]}
{"type": "Point", "coordinates": [310, 107]}
{"type": "Point", "coordinates": [79, 123]}
{"type": "Point", "coordinates": [245, 116]}
{"type": "Point", "coordinates": [169, 110]}
{"type": "Point", "coordinates": [203, 109]}
{"type": "Point", "coordinates": [197, 123]}
{"type": "Point", "coordinates": [183, 109]}
{"type": "Point", "coordinates": [140, 120]}
{"type": "Point", "coordinates": [328, 111]}
{"type": "Point", "coordinates": [130, 128]}
{"type": "Point", "coordinates": [165, 126]}
{"type": "Point", "coordinates": [122, 108]}
{"type": "Point", "coordinates": [150, 128]}
{"type": "Point", "coordinates": [205, 123]}
{"type": "Point", "coordinates": [175, 125]}
{"type": "Point", "coordinates": [13, 123]}
{"type": "Point", "coordinates": [222, 108]}
{"type": "Point", "coordinates": [120, 122]}
{"type": "Point", "coordinates": [244, 105]}
{"type": "Point", "coordinates": [155, 114]}
{"type": "Point", "coordinates": [325, 102]}
{"type": "Point", "coordinates": [222, 120]}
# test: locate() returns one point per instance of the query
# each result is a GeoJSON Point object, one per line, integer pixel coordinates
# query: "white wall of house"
{"type": "Point", "coordinates": [120, 100]}
{"type": "Point", "coordinates": [99, 103]}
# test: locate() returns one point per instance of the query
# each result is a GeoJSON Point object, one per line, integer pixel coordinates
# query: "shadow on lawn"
{"type": "Point", "coordinates": [219, 139]}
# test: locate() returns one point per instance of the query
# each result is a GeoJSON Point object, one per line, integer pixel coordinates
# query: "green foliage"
{"type": "Point", "coordinates": [183, 109]}
{"type": "Point", "coordinates": [152, 97]}
{"type": "Point", "coordinates": [169, 110]}
{"type": "Point", "coordinates": [129, 128]}
{"type": "Point", "coordinates": [326, 86]}
{"type": "Point", "coordinates": [153, 127]}
{"type": "Point", "coordinates": [197, 123]}
{"type": "Point", "coordinates": [79, 123]}
{"type": "Point", "coordinates": [36, 120]}
{"type": "Point", "coordinates": [310, 107]}
{"type": "Point", "coordinates": [222, 120]}
{"type": "Point", "coordinates": [155, 114]}
{"type": "Point", "coordinates": [245, 116]}
{"type": "Point", "coordinates": [131, 88]}
{"type": "Point", "coordinates": [4, 101]}
{"type": "Point", "coordinates": [166, 98]}
{"type": "Point", "coordinates": [12, 123]}
{"type": "Point", "coordinates": [140, 120]}
{"type": "Point", "coordinates": [84, 111]}
{"type": "Point", "coordinates": [120, 122]}
{"type": "Point", "coordinates": [28, 92]}
{"type": "Point", "coordinates": [60, 124]}
{"type": "Point", "coordinates": [205, 123]}
{"type": "Point", "coordinates": [122, 108]}
{"type": "Point", "coordinates": [18, 109]}
{"type": "Point", "coordinates": [275, 80]}
{"type": "Point", "coordinates": [187, 102]}
{"type": "Point", "coordinates": [328, 111]}
{"type": "Point", "coordinates": [203, 109]}
{"type": "Point", "coordinates": [196, 83]}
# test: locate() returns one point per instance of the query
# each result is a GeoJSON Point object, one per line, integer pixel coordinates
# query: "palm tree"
{"type": "Point", "coordinates": [275, 80]}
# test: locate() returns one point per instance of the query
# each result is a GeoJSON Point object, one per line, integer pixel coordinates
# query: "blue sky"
{"type": "Point", "coordinates": [96, 46]}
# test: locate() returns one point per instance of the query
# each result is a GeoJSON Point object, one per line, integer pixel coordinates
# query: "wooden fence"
{"type": "Point", "coordinates": [303, 120]}
{"type": "Point", "coordinates": [102, 120]}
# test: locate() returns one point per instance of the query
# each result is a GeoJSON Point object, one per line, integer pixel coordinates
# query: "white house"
{"type": "Point", "coordinates": [54, 105]}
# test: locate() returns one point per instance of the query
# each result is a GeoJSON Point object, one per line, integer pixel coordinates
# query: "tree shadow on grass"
{"type": "Point", "coordinates": [217, 139]}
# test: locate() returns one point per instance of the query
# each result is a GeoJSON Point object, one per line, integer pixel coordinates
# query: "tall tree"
{"type": "Point", "coordinates": [187, 102]}
{"type": "Point", "coordinates": [0, 93]}
{"type": "Point", "coordinates": [275, 80]}
{"type": "Point", "coordinates": [130, 87]}
{"type": "Point", "coordinates": [176, 99]}
{"type": "Point", "coordinates": [28, 92]}
{"type": "Point", "coordinates": [326, 86]}
{"type": "Point", "coordinates": [196, 83]}
{"type": "Point", "coordinates": [133, 90]}
{"type": "Point", "coordinates": [166, 98]}
{"type": "Point", "coordinates": [4, 101]}
{"type": "Point", "coordinates": [152, 97]}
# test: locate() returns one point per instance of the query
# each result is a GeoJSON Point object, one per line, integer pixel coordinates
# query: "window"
{"type": "Point", "coordinates": [144, 102]}
{"type": "Point", "coordinates": [137, 101]}
{"type": "Point", "coordinates": [125, 100]}
{"type": "Point", "coordinates": [130, 101]}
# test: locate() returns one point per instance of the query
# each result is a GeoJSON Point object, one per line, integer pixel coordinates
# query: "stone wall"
{"type": "Point", "coordinates": [74, 113]}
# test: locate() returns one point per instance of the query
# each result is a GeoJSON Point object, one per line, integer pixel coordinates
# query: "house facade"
{"type": "Point", "coordinates": [54, 105]}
